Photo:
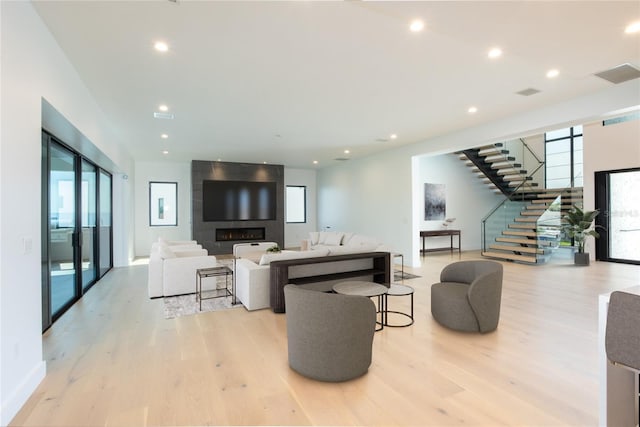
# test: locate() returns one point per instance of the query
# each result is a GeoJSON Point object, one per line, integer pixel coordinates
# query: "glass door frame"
{"type": "Point", "coordinates": [48, 315]}
{"type": "Point", "coordinates": [603, 204]}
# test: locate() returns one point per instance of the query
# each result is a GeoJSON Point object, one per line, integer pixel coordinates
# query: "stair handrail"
{"type": "Point", "coordinates": [531, 151]}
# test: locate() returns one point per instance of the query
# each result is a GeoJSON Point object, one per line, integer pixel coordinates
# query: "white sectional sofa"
{"type": "Point", "coordinates": [339, 242]}
{"type": "Point", "coordinates": [252, 276]}
{"type": "Point", "coordinates": [172, 269]}
{"type": "Point", "coordinates": [252, 272]}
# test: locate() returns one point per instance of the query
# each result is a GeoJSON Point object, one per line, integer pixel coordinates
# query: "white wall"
{"type": "Point", "coordinates": [370, 196]}
{"type": "Point", "coordinates": [295, 233]}
{"type": "Point", "coordinates": [146, 172]}
{"type": "Point", "coordinates": [33, 68]}
{"type": "Point", "coordinates": [468, 199]}
{"type": "Point", "coordinates": [606, 148]}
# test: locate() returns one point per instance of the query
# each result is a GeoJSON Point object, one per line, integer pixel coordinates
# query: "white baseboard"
{"type": "Point", "coordinates": [14, 399]}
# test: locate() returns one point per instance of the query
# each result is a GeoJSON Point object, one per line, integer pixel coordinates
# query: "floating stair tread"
{"type": "Point", "coordinates": [522, 182]}
{"type": "Point", "coordinates": [523, 241]}
{"type": "Point", "coordinates": [531, 212]}
{"type": "Point", "coordinates": [516, 178]}
{"type": "Point", "coordinates": [532, 219]}
{"type": "Point", "coordinates": [536, 205]}
{"type": "Point", "coordinates": [513, 257]}
{"type": "Point", "coordinates": [492, 151]}
{"type": "Point", "coordinates": [525, 226]}
{"type": "Point", "coordinates": [505, 164]}
{"type": "Point", "coordinates": [520, 233]}
{"type": "Point", "coordinates": [514, 248]}
{"type": "Point", "coordinates": [502, 158]}
{"type": "Point", "coordinates": [512, 171]}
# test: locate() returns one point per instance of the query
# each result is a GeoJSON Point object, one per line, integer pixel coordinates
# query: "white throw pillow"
{"type": "Point", "coordinates": [333, 238]}
{"type": "Point", "coordinates": [322, 236]}
{"type": "Point", "coordinates": [314, 237]}
{"type": "Point", "coordinates": [346, 238]}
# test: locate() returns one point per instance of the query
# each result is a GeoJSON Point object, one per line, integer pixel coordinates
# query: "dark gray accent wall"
{"type": "Point", "coordinates": [205, 232]}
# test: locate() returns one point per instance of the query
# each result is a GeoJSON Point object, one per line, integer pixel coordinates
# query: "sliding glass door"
{"type": "Point", "coordinates": [62, 232]}
{"type": "Point", "coordinates": [620, 215]}
{"type": "Point", "coordinates": [105, 236]}
{"type": "Point", "coordinates": [88, 219]}
{"type": "Point", "coordinates": [75, 252]}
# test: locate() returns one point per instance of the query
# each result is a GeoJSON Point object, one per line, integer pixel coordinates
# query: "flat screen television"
{"type": "Point", "coordinates": [238, 201]}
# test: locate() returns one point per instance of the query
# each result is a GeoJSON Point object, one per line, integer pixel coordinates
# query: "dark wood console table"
{"type": "Point", "coordinates": [379, 272]}
{"type": "Point", "coordinates": [438, 233]}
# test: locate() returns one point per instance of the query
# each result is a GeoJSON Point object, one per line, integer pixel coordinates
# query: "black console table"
{"type": "Point", "coordinates": [438, 233]}
{"type": "Point", "coordinates": [326, 269]}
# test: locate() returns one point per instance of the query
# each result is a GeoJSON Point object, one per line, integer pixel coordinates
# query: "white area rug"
{"type": "Point", "coordinates": [185, 305]}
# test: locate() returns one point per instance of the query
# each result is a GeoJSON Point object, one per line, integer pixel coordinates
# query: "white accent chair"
{"type": "Point", "coordinates": [252, 282]}
{"type": "Point", "coordinates": [174, 272]}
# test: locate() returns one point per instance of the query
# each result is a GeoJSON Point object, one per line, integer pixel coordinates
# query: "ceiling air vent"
{"type": "Point", "coordinates": [163, 116]}
{"type": "Point", "coordinates": [341, 159]}
{"type": "Point", "coordinates": [619, 74]}
{"type": "Point", "coordinates": [528, 92]}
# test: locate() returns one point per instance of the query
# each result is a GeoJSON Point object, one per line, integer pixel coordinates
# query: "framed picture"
{"type": "Point", "coordinates": [163, 201]}
{"type": "Point", "coordinates": [434, 202]}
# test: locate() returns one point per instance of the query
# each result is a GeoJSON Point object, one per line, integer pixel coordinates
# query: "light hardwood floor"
{"type": "Point", "coordinates": [114, 360]}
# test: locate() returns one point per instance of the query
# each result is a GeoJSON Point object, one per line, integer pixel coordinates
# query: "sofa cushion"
{"type": "Point", "coordinates": [360, 240]}
{"type": "Point", "coordinates": [165, 252]}
{"type": "Point", "coordinates": [333, 238]}
{"type": "Point", "coordinates": [267, 258]}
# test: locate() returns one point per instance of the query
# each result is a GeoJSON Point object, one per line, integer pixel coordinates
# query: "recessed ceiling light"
{"type": "Point", "coordinates": [496, 52]}
{"type": "Point", "coordinates": [163, 107]}
{"type": "Point", "coordinates": [164, 136]}
{"type": "Point", "coordinates": [264, 163]}
{"type": "Point", "coordinates": [393, 136]}
{"type": "Point", "coordinates": [315, 162]}
{"type": "Point", "coordinates": [552, 73]}
{"type": "Point", "coordinates": [416, 25]}
{"type": "Point", "coordinates": [161, 46]}
{"type": "Point", "coordinates": [347, 151]}
{"type": "Point", "coordinates": [472, 110]}
{"type": "Point", "coordinates": [165, 152]}
{"type": "Point", "coordinates": [633, 28]}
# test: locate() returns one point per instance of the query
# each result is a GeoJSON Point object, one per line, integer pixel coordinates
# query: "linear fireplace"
{"type": "Point", "coordinates": [235, 234]}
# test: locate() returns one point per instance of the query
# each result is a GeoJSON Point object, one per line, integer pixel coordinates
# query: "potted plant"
{"type": "Point", "coordinates": [274, 249]}
{"type": "Point", "coordinates": [578, 224]}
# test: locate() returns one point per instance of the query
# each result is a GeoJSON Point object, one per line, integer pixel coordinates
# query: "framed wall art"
{"type": "Point", "coordinates": [163, 201]}
{"type": "Point", "coordinates": [435, 204]}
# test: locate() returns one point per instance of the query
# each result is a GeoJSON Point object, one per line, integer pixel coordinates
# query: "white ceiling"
{"type": "Point", "coordinates": [293, 82]}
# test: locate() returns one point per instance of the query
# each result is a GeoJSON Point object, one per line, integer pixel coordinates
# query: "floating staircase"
{"type": "Point", "coordinates": [532, 214]}
{"type": "Point", "coordinates": [534, 233]}
{"type": "Point", "coordinates": [501, 171]}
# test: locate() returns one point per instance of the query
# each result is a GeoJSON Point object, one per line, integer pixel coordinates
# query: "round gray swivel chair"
{"type": "Point", "coordinates": [468, 296]}
{"type": "Point", "coordinates": [330, 336]}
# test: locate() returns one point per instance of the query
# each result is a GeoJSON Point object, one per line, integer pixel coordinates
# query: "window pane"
{"type": "Point", "coordinates": [560, 133]}
{"type": "Point", "coordinates": [624, 221]}
{"type": "Point", "coordinates": [296, 204]}
{"type": "Point", "coordinates": [105, 223]}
